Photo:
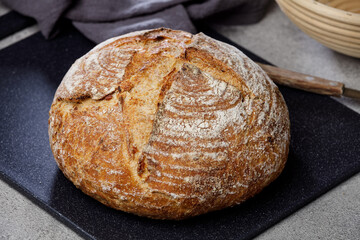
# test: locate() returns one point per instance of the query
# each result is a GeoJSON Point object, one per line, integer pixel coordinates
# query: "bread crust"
{"type": "Point", "coordinates": [168, 125]}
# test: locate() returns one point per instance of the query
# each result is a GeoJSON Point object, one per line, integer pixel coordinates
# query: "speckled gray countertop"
{"type": "Point", "coordinates": [335, 215]}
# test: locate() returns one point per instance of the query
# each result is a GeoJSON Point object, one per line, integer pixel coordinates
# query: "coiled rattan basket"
{"type": "Point", "coordinates": [334, 23]}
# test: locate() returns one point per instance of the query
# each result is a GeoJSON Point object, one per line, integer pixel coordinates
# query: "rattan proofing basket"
{"type": "Point", "coordinates": [334, 23]}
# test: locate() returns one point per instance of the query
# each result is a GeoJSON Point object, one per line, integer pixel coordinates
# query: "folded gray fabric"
{"type": "Point", "coordinates": [100, 20]}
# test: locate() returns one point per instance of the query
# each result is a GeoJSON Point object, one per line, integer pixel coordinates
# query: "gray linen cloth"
{"type": "Point", "coordinates": [99, 20]}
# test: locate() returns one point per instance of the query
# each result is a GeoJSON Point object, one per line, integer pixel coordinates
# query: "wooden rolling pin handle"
{"type": "Point", "coordinates": [302, 81]}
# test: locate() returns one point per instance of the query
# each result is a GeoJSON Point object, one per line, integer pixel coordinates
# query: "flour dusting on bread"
{"type": "Point", "coordinates": [168, 125]}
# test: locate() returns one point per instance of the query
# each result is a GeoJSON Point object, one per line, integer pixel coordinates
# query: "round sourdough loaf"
{"type": "Point", "coordinates": [168, 125]}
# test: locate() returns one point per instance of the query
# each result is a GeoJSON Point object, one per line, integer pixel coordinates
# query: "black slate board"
{"type": "Point", "coordinates": [324, 151]}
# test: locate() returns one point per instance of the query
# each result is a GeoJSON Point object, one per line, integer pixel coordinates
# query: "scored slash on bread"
{"type": "Point", "coordinates": [168, 125]}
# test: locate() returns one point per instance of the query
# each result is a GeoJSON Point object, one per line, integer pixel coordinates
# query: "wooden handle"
{"type": "Point", "coordinates": [302, 81]}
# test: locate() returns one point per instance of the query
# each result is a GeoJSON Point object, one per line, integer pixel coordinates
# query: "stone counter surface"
{"type": "Point", "coordinates": [335, 215]}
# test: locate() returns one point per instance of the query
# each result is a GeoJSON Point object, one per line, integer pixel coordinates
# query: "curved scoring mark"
{"type": "Point", "coordinates": [105, 69]}
{"type": "Point", "coordinates": [192, 144]}
{"type": "Point", "coordinates": [98, 73]}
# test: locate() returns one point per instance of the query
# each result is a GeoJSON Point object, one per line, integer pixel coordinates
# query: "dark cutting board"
{"type": "Point", "coordinates": [324, 152]}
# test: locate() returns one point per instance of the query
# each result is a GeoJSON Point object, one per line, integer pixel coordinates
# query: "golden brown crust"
{"type": "Point", "coordinates": [168, 125]}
